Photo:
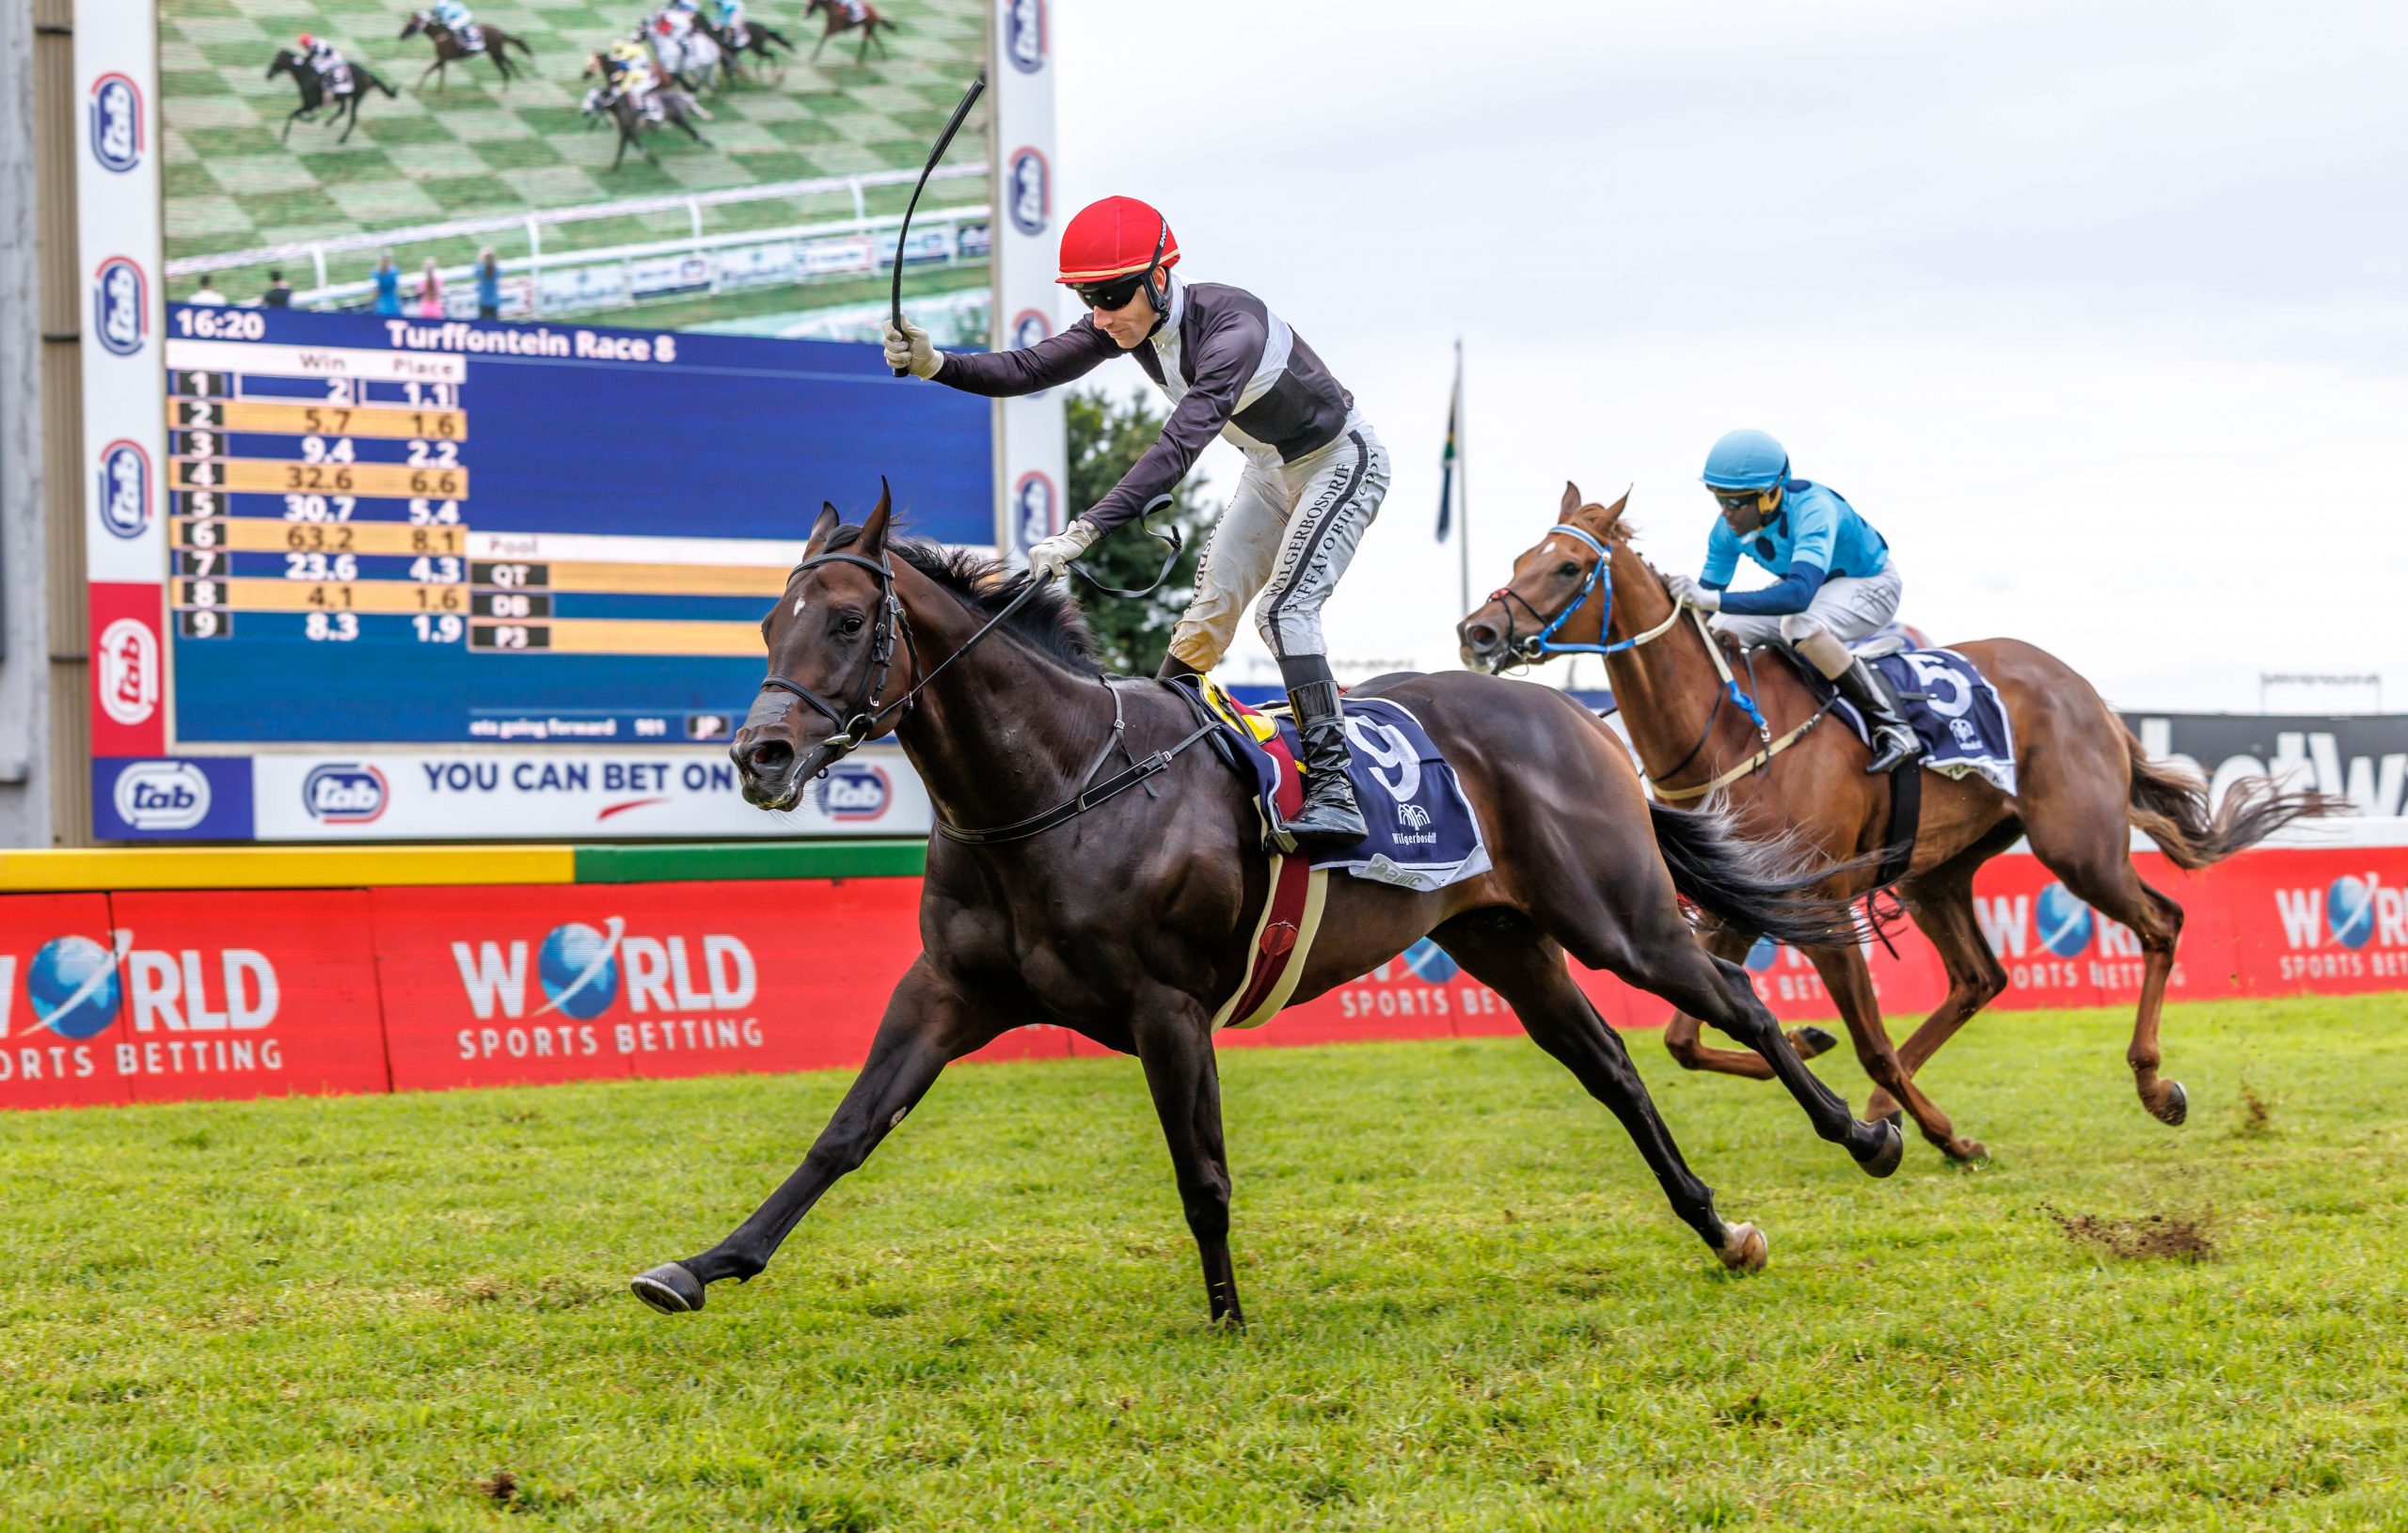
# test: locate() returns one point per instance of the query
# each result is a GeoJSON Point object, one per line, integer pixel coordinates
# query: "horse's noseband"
{"type": "Point", "coordinates": [1538, 645]}
{"type": "Point", "coordinates": [862, 723]}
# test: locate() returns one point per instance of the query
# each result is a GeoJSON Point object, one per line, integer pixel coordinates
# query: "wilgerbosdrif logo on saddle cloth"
{"type": "Point", "coordinates": [120, 306]}
{"type": "Point", "coordinates": [125, 489]}
{"type": "Point", "coordinates": [1030, 189]}
{"type": "Point", "coordinates": [1024, 35]}
{"type": "Point", "coordinates": [115, 119]}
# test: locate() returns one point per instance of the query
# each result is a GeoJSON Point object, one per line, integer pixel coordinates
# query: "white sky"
{"type": "Point", "coordinates": [2098, 308]}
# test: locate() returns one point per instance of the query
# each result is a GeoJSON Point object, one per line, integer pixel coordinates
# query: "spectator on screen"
{"type": "Point", "coordinates": [430, 291]}
{"type": "Point", "coordinates": [207, 294]}
{"type": "Point", "coordinates": [488, 285]}
{"type": "Point", "coordinates": [389, 285]}
{"type": "Point", "coordinates": [280, 292]}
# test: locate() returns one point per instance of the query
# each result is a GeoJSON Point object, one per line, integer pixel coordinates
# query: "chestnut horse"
{"type": "Point", "coordinates": [2084, 785]}
{"type": "Point", "coordinates": [1128, 916]}
{"type": "Point", "coordinates": [843, 18]}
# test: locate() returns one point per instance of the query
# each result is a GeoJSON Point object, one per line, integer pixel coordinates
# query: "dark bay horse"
{"type": "Point", "coordinates": [760, 41]}
{"type": "Point", "coordinates": [844, 16]}
{"type": "Point", "coordinates": [2084, 786]}
{"type": "Point", "coordinates": [316, 91]}
{"type": "Point", "coordinates": [450, 49]}
{"type": "Point", "coordinates": [1130, 921]}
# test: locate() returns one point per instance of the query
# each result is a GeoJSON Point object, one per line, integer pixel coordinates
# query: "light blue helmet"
{"type": "Point", "coordinates": [1746, 460]}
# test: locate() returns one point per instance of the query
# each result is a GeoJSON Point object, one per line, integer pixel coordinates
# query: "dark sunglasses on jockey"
{"type": "Point", "coordinates": [1763, 499]}
{"type": "Point", "coordinates": [1113, 294]}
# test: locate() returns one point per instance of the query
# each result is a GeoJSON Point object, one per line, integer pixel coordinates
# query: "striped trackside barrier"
{"type": "Point", "coordinates": [105, 870]}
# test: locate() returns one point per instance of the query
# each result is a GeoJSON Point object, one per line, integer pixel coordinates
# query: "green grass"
{"type": "Point", "coordinates": [1470, 1306]}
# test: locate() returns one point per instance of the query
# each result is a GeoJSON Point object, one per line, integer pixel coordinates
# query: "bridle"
{"type": "Point", "coordinates": [1538, 646]}
{"type": "Point", "coordinates": [863, 720]}
{"type": "Point", "coordinates": [1542, 643]}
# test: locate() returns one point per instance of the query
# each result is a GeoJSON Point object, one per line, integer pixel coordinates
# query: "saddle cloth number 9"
{"type": "Point", "coordinates": [1387, 750]}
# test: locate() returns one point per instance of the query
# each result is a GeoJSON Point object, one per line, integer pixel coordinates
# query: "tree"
{"type": "Point", "coordinates": [1106, 438]}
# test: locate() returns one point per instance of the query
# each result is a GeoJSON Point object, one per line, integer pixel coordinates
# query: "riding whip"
{"type": "Point", "coordinates": [945, 141]}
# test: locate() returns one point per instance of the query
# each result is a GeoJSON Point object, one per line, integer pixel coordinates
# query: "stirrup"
{"type": "Point", "coordinates": [1891, 752]}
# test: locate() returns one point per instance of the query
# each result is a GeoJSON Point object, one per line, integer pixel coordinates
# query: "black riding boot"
{"type": "Point", "coordinates": [1175, 668]}
{"type": "Point", "coordinates": [1894, 740]}
{"type": "Point", "coordinates": [1328, 818]}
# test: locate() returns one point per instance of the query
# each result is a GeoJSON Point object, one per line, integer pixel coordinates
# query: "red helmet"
{"type": "Point", "coordinates": [308, 43]}
{"type": "Point", "coordinates": [1117, 237]}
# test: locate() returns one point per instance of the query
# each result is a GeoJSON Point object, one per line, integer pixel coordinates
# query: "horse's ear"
{"type": "Point", "coordinates": [1571, 501]}
{"type": "Point", "coordinates": [821, 529]}
{"type": "Point", "coordinates": [873, 541]}
{"type": "Point", "coordinates": [1605, 519]}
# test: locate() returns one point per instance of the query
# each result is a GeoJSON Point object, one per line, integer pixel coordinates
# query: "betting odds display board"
{"type": "Point", "coordinates": [375, 560]}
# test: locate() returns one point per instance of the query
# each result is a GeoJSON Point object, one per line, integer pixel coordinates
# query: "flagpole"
{"type": "Point", "coordinates": [1463, 492]}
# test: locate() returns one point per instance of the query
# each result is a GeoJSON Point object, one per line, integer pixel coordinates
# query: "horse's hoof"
{"type": "Point", "coordinates": [1886, 1154]}
{"type": "Point", "coordinates": [2177, 1108]}
{"type": "Point", "coordinates": [1811, 1041]}
{"type": "Point", "coordinates": [1967, 1154]}
{"type": "Point", "coordinates": [1744, 1248]}
{"type": "Point", "coordinates": [670, 1289]}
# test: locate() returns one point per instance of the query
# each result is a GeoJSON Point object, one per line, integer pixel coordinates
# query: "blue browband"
{"type": "Point", "coordinates": [1540, 644]}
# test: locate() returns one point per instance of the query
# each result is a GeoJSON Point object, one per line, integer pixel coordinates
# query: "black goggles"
{"type": "Point", "coordinates": [1113, 294]}
{"type": "Point", "coordinates": [1740, 500]}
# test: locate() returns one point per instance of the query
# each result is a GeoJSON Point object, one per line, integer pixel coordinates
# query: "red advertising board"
{"type": "Point", "coordinates": [62, 994]}
{"type": "Point", "coordinates": [493, 986]}
{"type": "Point", "coordinates": [155, 997]}
{"type": "Point", "coordinates": [251, 993]}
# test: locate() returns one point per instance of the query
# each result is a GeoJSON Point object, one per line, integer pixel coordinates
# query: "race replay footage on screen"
{"type": "Point", "coordinates": [433, 505]}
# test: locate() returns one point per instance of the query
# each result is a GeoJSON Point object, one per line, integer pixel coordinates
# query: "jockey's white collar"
{"type": "Point", "coordinates": [1165, 335]}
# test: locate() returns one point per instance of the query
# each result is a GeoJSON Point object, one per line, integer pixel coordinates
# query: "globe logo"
{"type": "Point", "coordinates": [2064, 921]}
{"type": "Point", "coordinates": [1430, 962]}
{"type": "Point", "coordinates": [579, 969]}
{"type": "Point", "coordinates": [73, 985]}
{"type": "Point", "coordinates": [2349, 911]}
{"type": "Point", "coordinates": [1760, 956]}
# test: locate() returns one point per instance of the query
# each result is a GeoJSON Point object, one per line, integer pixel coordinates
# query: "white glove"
{"type": "Point", "coordinates": [908, 348]}
{"type": "Point", "coordinates": [1051, 556]}
{"type": "Point", "coordinates": [1685, 588]}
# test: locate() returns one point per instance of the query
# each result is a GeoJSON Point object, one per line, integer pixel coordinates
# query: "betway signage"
{"type": "Point", "coordinates": [2362, 757]}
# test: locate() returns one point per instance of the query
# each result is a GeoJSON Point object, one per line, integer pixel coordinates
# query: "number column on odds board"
{"type": "Point", "coordinates": [335, 508]}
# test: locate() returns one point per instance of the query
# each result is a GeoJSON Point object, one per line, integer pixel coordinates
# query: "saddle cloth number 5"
{"type": "Point", "coordinates": [1388, 751]}
{"type": "Point", "coordinates": [1944, 690]}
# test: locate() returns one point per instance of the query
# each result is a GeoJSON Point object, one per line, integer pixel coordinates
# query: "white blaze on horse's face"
{"type": "Point", "coordinates": [799, 603]}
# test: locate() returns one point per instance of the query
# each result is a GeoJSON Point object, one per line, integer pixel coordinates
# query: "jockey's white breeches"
{"type": "Point", "coordinates": [1848, 608]}
{"type": "Point", "coordinates": [1289, 534]}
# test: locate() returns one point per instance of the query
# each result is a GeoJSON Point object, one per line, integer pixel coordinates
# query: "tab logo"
{"type": "Point", "coordinates": [345, 793]}
{"type": "Point", "coordinates": [854, 791]}
{"type": "Point", "coordinates": [162, 796]}
{"type": "Point", "coordinates": [1024, 34]}
{"type": "Point", "coordinates": [120, 306]}
{"type": "Point", "coordinates": [1030, 184]}
{"type": "Point", "coordinates": [124, 499]}
{"type": "Point", "coordinates": [125, 672]}
{"type": "Point", "coordinates": [115, 116]}
{"type": "Point", "coordinates": [1033, 505]}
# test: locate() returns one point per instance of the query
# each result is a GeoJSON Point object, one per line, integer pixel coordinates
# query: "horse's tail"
{"type": "Point", "coordinates": [373, 78]}
{"type": "Point", "coordinates": [1767, 886]}
{"type": "Point", "coordinates": [772, 34]}
{"type": "Point", "coordinates": [510, 40]}
{"type": "Point", "coordinates": [2171, 804]}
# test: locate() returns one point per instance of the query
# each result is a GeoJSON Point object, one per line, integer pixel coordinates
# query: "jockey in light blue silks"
{"type": "Point", "coordinates": [729, 15]}
{"type": "Point", "coordinates": [1835, 580]}
{"type": "Point", "coordinates": [454, 15]}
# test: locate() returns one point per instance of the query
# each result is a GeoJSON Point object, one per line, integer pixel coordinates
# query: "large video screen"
{"type": "Point", "coordinates": [755, 190]}
{"type": "Point", "coordinates": [461, 383]}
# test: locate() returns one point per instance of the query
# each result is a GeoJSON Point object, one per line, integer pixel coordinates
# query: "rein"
{"type": "Point", "coordinates": [1538, 646]}
{"type": "Point", "coordinates": [864, 721]}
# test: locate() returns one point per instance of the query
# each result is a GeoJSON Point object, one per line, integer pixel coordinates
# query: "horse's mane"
{"type": "Point", "coordinates": [1049, 621]}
